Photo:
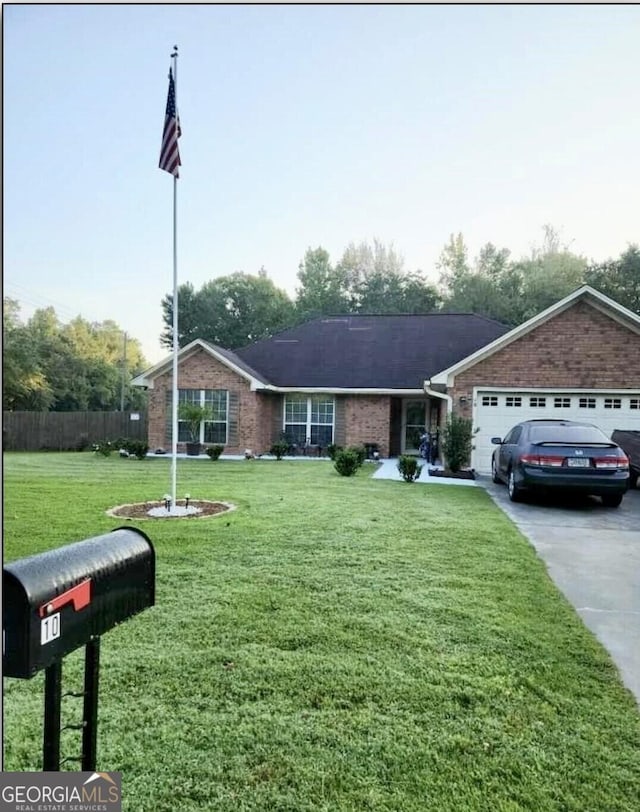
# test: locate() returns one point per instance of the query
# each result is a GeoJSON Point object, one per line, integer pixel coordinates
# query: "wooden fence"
{"type": "Point", "coordinates": [68, 431]}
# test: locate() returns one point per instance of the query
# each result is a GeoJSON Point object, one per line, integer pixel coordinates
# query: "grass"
{"type": "Point", "coordinates": [334, 644]}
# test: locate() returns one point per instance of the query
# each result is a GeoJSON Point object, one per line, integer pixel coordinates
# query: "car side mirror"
{"type": "Point", "coordinates": [496, 440]}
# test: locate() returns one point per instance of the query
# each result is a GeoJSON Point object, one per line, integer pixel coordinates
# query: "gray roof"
{"type": "Point", "coordinates": [370, 352]}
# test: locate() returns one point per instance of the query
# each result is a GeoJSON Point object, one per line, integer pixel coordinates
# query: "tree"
{"type": "Point", "coordinates": [24, 386]}
{"type": "Point", "coordinates": [619, 278]}
{"type": "Point", "coordinates": [230, 311]}
{"type": "Point", "coordinates": [190, 317]}
{"type": "Point", "coordinates": [491, 287]}
{"type": "Point", "coordinates": [509, 291]}
{"type": "Point", "coordinates": [79, 366]}
{"type": "Point", "coordinates": [550, 274]}
{"type": "Point", "coordinates": [375, 282]}
{"type": "Point", "coordinates": [453, 265]}
{"type": "Point", "coordinates": [323, 289]}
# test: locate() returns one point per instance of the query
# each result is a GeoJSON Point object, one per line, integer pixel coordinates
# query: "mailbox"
{"type": "Point", "coordinates": [57, 601]}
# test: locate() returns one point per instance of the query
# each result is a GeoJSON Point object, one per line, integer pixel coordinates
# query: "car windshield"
{"type": "Point", "coordinates": [568, 435]}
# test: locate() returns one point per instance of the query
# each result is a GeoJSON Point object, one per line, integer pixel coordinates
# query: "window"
{"type": "Point", "coordinates": [561, 403]}
{"type": "Point", "coordinates": [514, 401]}
{"type": "Point", "coordinates": [634, 403]}
{"type": "Point", "coordinates": [537, 403]}
{"type": "Point", "coordinates": [613, 403]}
{"type": "Point", "coordinates": [309, 419]}
{"type": "Point", "coordinates": [217, 401]}
{"type": "Point", "coordinates": [489, 400]}
{"type": "Point", "coordinates": [215, 430]}
{"type": "Point", "coordinates": [514, 436]}
{"type": "Point", "coordinates": [587, 403]}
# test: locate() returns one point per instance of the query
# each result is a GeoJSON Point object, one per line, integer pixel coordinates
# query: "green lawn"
{"type": "Point", "coordinates": [334, 644]}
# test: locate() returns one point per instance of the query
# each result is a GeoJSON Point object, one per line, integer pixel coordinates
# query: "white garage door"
{"type": "Point", "coordinates": [496, 412]}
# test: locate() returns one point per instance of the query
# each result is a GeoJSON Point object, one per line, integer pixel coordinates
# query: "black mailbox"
{"type": "Point", "coordinates": [57, 601]}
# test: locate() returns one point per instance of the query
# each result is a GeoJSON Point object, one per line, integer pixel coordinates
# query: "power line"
{"type": "Point", "coordinates": [37, 300]}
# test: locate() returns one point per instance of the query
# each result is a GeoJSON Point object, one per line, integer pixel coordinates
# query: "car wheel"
{"type": "Point", "coordinates": [494, 473]}
{"type": "Point", "coordinates": [612, 500]}
{"type": "Point", "coordinates": [515, 493]}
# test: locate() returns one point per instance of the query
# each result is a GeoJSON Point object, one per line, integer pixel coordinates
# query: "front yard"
{"type": "Point", "coordinates": [333, 644]}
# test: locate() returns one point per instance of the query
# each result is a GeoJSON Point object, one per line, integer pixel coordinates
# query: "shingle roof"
{"type": "Point", "coordinates": [370, 352]}
{"type": "Point", "coordinates": [234, 358]}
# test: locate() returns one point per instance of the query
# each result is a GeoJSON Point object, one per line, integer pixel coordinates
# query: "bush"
{"type": "Point", "coordinates": [457, 442]}
{"type": "Point", "coordinates": [131, 448]}
{"type": "Point", "coordinates": [137, 448]}
{"type": "Point", "coordinates": [279, 449]}
{"type": "Point", "coordinates": [409, 468]}
{"type": "Point", "coordinates": [346, 462]}
{"type": "Point", "coordinates": [360, 451]}
{"type": "Point", "coordinates": [103, 448]}
{"type": "Point", "coordinates": [214, 451]}
{"type": "Point", "coordinates": [332, 450]}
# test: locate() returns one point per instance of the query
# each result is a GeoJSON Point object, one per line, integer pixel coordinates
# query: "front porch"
{"type": "Point", "coordinates": [410, 419]}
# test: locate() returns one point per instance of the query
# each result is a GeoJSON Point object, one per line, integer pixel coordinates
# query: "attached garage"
{"type": "Point", "coordinates": [496, 411]}
{"type": "Point", "coordinates": [577, 360]}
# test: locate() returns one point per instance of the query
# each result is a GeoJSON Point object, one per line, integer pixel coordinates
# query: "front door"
{"type": "Point", "coordinates": [415, 424]}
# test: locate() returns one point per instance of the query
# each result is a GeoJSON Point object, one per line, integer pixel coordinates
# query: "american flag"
{"type": "Point", "coordinates": [169, 153]}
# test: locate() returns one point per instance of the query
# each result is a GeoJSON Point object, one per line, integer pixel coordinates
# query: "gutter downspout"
{"type": "Point", "coordinates": [429, 391]}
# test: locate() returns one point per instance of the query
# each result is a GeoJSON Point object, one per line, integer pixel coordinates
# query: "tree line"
{"type": "Point", "coordinates": [235, 310]}
{"type": "Point", "coordinates": [82, 366]}
{"type": "Point", "coordinates": [79, 366]}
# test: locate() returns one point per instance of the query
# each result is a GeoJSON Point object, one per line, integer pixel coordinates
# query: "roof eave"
{"type": "Point", "coordinates": [148, 377]}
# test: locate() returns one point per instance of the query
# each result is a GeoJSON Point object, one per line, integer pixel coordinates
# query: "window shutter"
{"type": "Point", "coordinates": [340, 422]}
{"type": "Point", "coordinates": [278, 414]}
{"type": "Point", "coordinates": [168, 417]}
{"type": "Point", "coordinates": [232, 418]}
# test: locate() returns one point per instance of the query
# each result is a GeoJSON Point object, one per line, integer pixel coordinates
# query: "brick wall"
{"type": "Point", "coordinates": [201, 371]}
{"type": "Point", "coordinates": [580, 347]}
{"type": "Point", "coordinates": [367, 420]}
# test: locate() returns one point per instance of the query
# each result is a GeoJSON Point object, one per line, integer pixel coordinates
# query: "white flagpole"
{"type": "Point", "coordinates": [174, 398]}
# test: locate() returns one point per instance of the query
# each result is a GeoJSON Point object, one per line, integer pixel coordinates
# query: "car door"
{"type": "Point", "coordinates": [508, 450]}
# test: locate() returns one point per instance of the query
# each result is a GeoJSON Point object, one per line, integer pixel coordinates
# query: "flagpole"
{"type": "Point", "coordinates": [174, 398]}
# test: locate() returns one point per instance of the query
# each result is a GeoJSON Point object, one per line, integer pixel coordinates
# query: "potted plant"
{"type": "Point", "coordinates": [193, 414]}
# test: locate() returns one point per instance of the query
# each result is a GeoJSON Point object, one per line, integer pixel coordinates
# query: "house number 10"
{"type": "Point", "coordinates": [50, 628]}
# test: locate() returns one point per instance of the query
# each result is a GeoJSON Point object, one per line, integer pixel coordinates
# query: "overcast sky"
{"type": "Point", "coordinates": [305, 126]}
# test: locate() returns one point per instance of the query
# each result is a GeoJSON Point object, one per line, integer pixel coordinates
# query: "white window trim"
{"type": "Point", "coordinates": [308, 420]}
{"type": "Point", "coordinates": [203, 403]}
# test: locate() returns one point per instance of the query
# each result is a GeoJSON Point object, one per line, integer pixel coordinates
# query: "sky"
{"type": "Point", "coordinates": [305, 126]}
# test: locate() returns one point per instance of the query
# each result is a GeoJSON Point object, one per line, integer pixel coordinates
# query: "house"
{"type": "Point", "coordinates": [384, 379]}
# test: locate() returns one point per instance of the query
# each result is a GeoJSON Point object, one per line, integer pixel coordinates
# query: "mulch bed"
{"type": "Point", "coordinates": [141, 510]}
{"type": "Point", "coordinates": [452, 474]}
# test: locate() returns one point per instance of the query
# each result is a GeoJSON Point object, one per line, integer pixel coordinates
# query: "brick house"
{"type": "Point", "coordinates": [385, 379]}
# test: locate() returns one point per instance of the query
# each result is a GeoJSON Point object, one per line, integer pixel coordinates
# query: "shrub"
{"type": "Point", "coordinates": [360, 452]}
{"type": "Point", "coordinates": [214, 451]}
{"type": "Point", "coordinates": [131, 448]}
{"type": "Point", "coordinates": [456, 441]}
{"type": "Point", "coordinates": [279, 449]}
{"type": "Point", "coordinates": [346, 462]}
{"type": "Point", "coordinates": [103, 448]}
{"type": "Point", "coordinates": [137, 448]}
{"type": "Point", "coordinates": [332, 450]}
{"type": "Point", "coordinates": [409, 468]}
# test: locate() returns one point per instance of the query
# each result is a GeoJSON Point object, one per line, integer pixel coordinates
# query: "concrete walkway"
{"type": "Point", "coordinates": [388, 469]}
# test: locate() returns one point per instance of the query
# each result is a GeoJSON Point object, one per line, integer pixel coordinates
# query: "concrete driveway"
{"type": "Point", "coordinates": [592, 554]}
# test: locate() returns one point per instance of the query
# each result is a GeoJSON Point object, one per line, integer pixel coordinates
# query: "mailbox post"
{"type": "Point", "coordinates": [62, 599]}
